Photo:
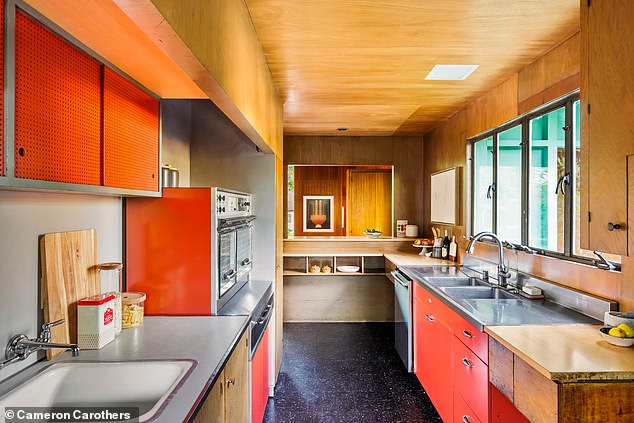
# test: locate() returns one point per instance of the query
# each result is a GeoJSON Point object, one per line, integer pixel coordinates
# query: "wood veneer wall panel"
{"type": "Point", "coordinates": [554, 74]}
{"type": "Point", "coordinates": [494, 108]}
{"type": "Point", "coordinates": [280, 217]}
{"type": "Point", "coordinates": [319, 180]}
{"type": "Point", "coordinates": [404, 153]}
{"type": "Point", "coordinates": [338, 299]}
{"type": "Point", "coordinates": [234, 73]}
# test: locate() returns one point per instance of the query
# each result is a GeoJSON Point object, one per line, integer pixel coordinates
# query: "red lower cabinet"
{"type": "Point", "coordinates": [462, 413]}
{"type": "Point", "coordinates": [471, 379]}
{"type": "Point", "coordinates": [260, 379]}
{"type": "Point", "coordinates": [432, 352]}
{"type": "Point", "coordinates": [503, 410]}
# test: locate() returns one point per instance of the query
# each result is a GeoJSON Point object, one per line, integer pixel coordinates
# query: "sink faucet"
{"type": "Point", "coordinates": [503, 270]}
{"type": "Point", "coordinates": [20, 346]}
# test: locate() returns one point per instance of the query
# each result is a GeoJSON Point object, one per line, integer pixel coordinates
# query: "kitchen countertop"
{"type": "Point", "coordinates": [209, 340]}
{"type": "Point", "coordinates": [346, 238]}
{"type": "Point", "coordinates": [567, 353]}
{"type": "Point", "coordinates": [413, 259]}
{"type": "Point", "coordinates": [495, 312]}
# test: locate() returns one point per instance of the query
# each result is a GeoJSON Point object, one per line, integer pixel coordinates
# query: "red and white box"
{"type": "Point", "coordinates": [95, 321]}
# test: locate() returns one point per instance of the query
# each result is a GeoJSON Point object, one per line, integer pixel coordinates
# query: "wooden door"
{"type": "Point", "coordinates": [607, 108]}
{"type": "Point", "coordinates": [369, 201]}
{"type": "Point", "coordinates": [237, 384]}
{"type": "Point", "coordinates": [213, 409]}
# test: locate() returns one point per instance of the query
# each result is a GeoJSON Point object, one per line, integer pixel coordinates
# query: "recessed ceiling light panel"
{"type": "Point", "coordinates": [450, 72]}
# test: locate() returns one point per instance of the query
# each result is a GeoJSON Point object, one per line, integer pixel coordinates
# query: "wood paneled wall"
{"type": "Point", "coordinates": [215, 43]}
{"type": "Point", "coordinates": [542, 81]}
{"type": "Point", "coordinates": [319, 180]}
{"type": "Point", "coordinates": [494, 108]}
{"type": "Point", "coordinates": [404, 153]}
{"type": "Point", "coordinates": [551, 76]}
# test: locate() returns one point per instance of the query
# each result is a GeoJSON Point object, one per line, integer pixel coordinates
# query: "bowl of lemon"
{"type": "Point", "coordinates": [621, 335]}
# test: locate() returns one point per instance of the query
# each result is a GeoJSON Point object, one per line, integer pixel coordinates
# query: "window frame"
{"type": "Point", "coordinates": [567, 102]}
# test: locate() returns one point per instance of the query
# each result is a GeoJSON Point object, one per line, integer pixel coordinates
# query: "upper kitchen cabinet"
{"type": "Point", "coordinates": [76, 124]}
{"type": "Point", "coordinates": [57, 108]}
{"type": "Point", "coordinates": [607, 128]}
{"type": "Point", "coordinates": [131, 135]}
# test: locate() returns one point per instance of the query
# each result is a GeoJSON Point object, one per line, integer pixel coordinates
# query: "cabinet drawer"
{"type": "Point", "coordinates": [461, 411]}
{"type": "Point", "coordinates": [477, 341]}
{"type": "Point", "coordinates": [471, 379]}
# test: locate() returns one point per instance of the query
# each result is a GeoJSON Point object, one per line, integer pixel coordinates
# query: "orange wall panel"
{"type": "Point", "coordinates": [57, 108]}
{"type": "Point", "coordinates": [168, 251]}
{"type": "Point", "coordinates": [131, 135]}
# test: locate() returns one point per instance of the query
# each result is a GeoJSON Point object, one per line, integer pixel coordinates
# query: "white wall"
{"type": "Point", "coordinates": [24, 216]}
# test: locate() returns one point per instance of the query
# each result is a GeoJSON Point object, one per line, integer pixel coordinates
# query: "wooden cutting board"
{"type": "Point", "coordinates": [69, 273]}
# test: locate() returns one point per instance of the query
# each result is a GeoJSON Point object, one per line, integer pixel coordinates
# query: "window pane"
{"type": "Point", "coordinates": [509, 185]}
{"type": "Point", "coordinates": [548, 161]}
{"type": "Point", "coordinates": [482, 185]}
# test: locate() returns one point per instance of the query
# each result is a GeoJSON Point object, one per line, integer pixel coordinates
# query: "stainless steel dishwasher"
{"type": "Point", "coordinates": [403, 335]}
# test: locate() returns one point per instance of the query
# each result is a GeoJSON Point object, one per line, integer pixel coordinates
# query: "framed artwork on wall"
{"type": "Point", "coordinates": [318, 213]}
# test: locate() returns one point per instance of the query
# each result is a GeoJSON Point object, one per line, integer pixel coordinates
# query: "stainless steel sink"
{"type": "Point", "coordinates": [477, 293]}
{"type": "Point", "coordinates": [453, 281]}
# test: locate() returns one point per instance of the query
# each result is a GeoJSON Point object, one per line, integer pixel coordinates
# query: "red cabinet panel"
{"type": "Point", "coordinates": [260, 379]}
{"type": "Point", "coordinates": [57, 108]}
{"type": "Point", "coordinates": [477, 341]}
{"type": "Point", "coordinates": [471, 379]}
{"type": "Point", "coordinates": [462, 413]}
{"type": "Point", "coordinates": [168, 251]}
{"type": "Point", "coordinates": [432, 354]}
{"type": "Point", "coordinates": [131, 135]}
{"type": "Point", "coordinates": [503, 410]}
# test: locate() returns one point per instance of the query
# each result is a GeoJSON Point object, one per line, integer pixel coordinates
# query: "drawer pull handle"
{"type": "Point", "coordinates": [467, 334]}
{"type": "Point", "coordinates": [231, 381]}
{"type": "Point", "coordinates": [430, 318]}
{"type": "Point", "coordinates": [466, 419]}
{"type": "Point", "coordinates": [466, 362]}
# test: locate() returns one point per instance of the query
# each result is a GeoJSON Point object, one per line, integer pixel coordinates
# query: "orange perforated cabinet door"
{"type": "Point", "coordinates": [57, 107]}
{"type": "Point", "coordinates": [131, 135]}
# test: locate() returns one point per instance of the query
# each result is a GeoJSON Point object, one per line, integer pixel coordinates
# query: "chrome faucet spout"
{"type": "Point", "coordinates": [20, 346]}
{"type": "Point", "coordinates": [40, 345]}
{"type": "Point", "coordinates": [503, 270]}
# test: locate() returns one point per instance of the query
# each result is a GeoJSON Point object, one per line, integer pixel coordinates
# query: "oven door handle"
{"type": "Point", "coordinates": [264, 318]}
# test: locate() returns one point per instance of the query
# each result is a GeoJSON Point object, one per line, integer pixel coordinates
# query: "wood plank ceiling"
{"type": "Point", "coordinates": [361, 64]}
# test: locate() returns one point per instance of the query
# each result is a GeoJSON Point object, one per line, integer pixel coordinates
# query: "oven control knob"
{"type": "Point", "coordinates": [222, 198]}
{"type": "Point", "coordinates": [222, 209]}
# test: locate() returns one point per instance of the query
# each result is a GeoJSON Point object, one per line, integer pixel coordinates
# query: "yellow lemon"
{"type": "Point", "coordinates": [627, 330]}
{"type": "Point", "coordinates": [616, 332]}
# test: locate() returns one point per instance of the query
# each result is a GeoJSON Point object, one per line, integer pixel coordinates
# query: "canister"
{"type": "Point", "coordinates": [411, 231]}
{"type": "Point", "coordinates": [132, 309]}
{"type": "Point", "coordinates": [95, 321]}
{"type": "Point", "coordinates": [401, 225]}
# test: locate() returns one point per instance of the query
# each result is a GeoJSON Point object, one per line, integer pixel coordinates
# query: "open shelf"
{"type": "Point", "coordinates": [300, 265]}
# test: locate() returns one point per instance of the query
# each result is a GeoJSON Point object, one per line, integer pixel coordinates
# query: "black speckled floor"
{"type": "Point", "coordinates": [345, 372]}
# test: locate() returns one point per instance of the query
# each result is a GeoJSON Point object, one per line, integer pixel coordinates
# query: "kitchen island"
{"type": "Point", "coordinates": [208, 341]}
